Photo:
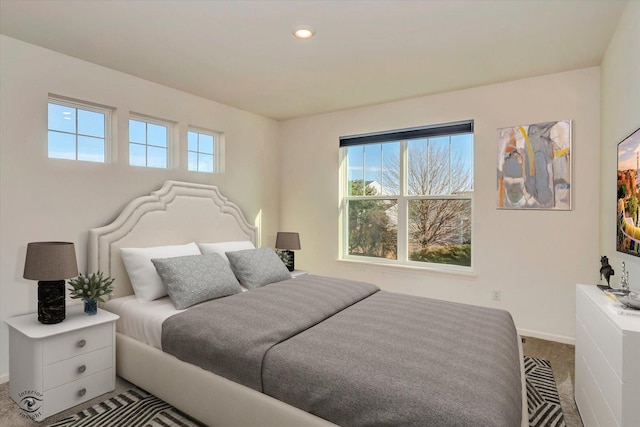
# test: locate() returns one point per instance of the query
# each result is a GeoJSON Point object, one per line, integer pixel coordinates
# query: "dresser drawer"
{"type": "Point", "coordinates": [59, 373]}
{"type": "Point", "coordinates": [601, 330]}
{"type": "Point", "coordinates": [74, 343]}
{"type": "Point", "coordinates": [593, 407]}
{"type": "Point", "coordinates": [600, 379]}
{"type": "Point", "coordinates": [76, 392]}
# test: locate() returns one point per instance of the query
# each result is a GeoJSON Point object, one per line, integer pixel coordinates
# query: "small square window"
{"type": "Point", "coordinates": [149, 142]}
{"type": "Point", "coordinates": [78, 131]}
{"type": "Point", "coordinates": [202, 149]}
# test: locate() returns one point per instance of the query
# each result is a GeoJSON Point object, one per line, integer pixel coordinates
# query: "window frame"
{"type": "Point", "coordinates": [86, 106]}
{"type": "Point", "coordinates": [159, 122]}
{"type": "Point", "coordinates": [217, 141]}
{"type": "Point", "coordinates": [403, 198]}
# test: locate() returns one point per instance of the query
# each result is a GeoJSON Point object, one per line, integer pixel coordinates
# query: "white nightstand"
{"type": "Point", "coordinates": [55, 367]}
{"type": "Point", "coordinates": [296, 273]}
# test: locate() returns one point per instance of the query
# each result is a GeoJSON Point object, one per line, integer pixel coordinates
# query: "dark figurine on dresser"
{"type": "Point", "coordinates": [606, 270]}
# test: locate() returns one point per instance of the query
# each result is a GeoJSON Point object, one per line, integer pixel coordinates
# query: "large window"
{"type": "Point", "coordinates": [201, 150]}
{"type": "Point", "coordinates": [149, 142]}
{"type": "Point", "coordinates": [407, 196]}
{"type": "Point", "coordinates": [78, 131]}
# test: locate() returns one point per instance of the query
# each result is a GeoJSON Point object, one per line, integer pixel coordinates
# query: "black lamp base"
{"type": "Point", "coordinates": [288, 259]}
{"type": "Point", "coordinates": [51, 301]}
{"type": "Point", "coordinates": [290, 263]}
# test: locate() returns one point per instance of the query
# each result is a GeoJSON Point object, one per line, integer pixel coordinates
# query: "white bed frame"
{"type": "Point", "coordinates": [179, 213]}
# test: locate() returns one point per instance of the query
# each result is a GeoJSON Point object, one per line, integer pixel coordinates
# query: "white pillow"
{"type": "Point", "coordinates": [145, 281]}
{"type": "Point", "coordinates": [224, 247]}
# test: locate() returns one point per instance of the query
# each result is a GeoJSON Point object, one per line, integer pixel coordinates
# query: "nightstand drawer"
{"type": "Point", "coordinates": [70, 344]}
{"type": "Point", "coordinates": [76, 392]}
{"type": "Point", "coordinates": [68, 370]}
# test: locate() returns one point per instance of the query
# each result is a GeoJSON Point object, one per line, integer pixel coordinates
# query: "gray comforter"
{"type": "Point", "coordinates": [358, 356]}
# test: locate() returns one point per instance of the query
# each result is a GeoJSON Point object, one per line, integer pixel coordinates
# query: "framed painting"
{"type": "Point", "coordinates": [534, 166]}
{"type": "Point", "coordinates": [628, 230]}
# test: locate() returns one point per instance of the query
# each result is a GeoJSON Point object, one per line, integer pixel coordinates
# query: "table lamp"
{"type": "Point", "coordinates": [288, 242]}
{"type": "Point", "coordinates": [50, 263]}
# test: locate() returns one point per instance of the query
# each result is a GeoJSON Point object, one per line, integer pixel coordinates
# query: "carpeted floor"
{"type": "Point", "coordinates": [11, 415]}
{"type": "Point", "coordinates": [561, 357]}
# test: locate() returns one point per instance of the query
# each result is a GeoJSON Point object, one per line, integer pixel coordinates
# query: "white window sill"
{"type": "Point", "coordinates": [467, 274]}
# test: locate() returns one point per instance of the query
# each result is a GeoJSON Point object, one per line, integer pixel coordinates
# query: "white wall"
{"type": "Point", "coordinates": [49, 199]}
{"type": "Point", "coordinates": [534, 257]}
{"type": "Point", "coordinates": [620, 117]}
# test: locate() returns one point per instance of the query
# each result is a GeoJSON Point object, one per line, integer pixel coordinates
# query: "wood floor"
{"type": "Point", "coordinates": [560, 355]}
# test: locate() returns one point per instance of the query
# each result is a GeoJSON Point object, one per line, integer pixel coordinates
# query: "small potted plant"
{"type": "Point", "coordinates": [91, 289]}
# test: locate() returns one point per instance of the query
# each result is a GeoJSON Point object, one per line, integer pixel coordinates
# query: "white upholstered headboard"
{"type": "Point", "coordinates": [177, 213]}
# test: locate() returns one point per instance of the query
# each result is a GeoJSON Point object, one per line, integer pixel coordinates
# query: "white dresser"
{"type": "Point", "coordinates": [55, 367]}
{"type": "Point", "coordinates": [607, 381]}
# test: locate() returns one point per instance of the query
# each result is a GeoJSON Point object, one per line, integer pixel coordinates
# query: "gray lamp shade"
{"type": "Point", "coordinates": [50, 261]}
{"type": "Point", "coordinates": [289, 241]}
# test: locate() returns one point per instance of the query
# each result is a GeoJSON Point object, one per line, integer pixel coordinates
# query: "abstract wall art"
{"type": "Point", "coordinates": [628, 229]}
{"type": "Point", "coordinates": [534, 166]}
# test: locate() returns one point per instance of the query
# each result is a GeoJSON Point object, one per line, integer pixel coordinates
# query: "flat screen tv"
{"type": "Point", "coordinates": [628, 187]}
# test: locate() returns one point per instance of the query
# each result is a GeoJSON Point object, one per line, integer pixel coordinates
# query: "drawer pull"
{"type": "Point", "coordinates": [82, 343]}
{"type": "Point", "coordinates": [82, 368]}
{"type": "Point", "coordinates": [82, 392]}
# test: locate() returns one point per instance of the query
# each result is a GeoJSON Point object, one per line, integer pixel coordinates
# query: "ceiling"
{"type": "Point", "coordinates": [242, 53]}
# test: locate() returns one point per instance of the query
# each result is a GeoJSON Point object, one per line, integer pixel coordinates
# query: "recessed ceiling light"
{"type": "Point", "coordinates": [303, 32]}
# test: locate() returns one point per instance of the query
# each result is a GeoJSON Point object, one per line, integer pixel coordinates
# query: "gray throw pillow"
{"type": "Point", "coordinates": [196, 278]}
{"type": "Point", "coordinates": [257, 267]}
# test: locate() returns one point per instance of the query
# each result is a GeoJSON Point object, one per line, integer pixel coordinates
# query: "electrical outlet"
{"type": "Point", "coordinates": [496, 294]}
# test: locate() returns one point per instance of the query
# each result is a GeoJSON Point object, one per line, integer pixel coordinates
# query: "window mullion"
{"type": "Point", "coordinates": [77, 136]}
{"type": "Point", "coordinates": [198, 155]}
{"type": "Point", "coordinates": [402, 205]}
{"type": "Point", "coordinates": [381, 169]}
{"type": "Point", "coordinates": [428, 186]}
{"type": "Point", "coordinates": [449, 165]}
{"type": "Point", "coordinates": [364, 171]}
{"type": "Point", "coordinates": [146, 144]}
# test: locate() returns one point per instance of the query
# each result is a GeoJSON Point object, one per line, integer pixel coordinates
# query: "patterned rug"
{"type": "Point", "coordinates": [134, 408]}
{"type": "Point", "coordinates": [543, 401]}
{"type": "Point", "coordinates": [138, 408]}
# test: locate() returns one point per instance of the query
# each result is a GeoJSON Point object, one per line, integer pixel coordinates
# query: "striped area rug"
{"type": "Point", "coordinates": [138, 408]}
{"type": "Point", "coordinates": [543, 401]}
{"type": "Point", "coordinates": [134, 408]}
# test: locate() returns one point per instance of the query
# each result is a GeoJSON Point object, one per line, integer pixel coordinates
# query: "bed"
{"type": "Point", "coordinates": [289, 367]}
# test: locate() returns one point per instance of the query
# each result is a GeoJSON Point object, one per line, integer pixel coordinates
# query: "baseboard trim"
{"type": "Point", "coordinates": [4, 378]}
{"type": "Point", "coordinates": [548, 337]}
